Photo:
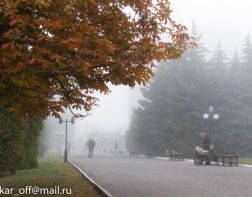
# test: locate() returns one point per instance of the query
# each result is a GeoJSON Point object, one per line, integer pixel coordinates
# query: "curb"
{"type": "Point", "coordinates": [191, 160]}
{"type": "Point", "coordinates": [245, 165]}
{"type": "Point", "coordinates": [97, 187]}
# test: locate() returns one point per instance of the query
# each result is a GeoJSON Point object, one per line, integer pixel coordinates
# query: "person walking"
{"type": "Point", "coordinates": [91, 145]}
{"type": "Point", "coordinates": [116, 147]}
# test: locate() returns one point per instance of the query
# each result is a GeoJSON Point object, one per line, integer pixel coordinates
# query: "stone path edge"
{"type": "Point", "coordinates": [97, 187]}
{"type": "Point", "coordinates": [104, 192]}
{"type": "Point", "coordinates": [191, 160]}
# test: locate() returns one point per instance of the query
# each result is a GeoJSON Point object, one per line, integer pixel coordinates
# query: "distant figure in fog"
{"type": "Point", "coordinates": [91, 145]}
{"type": "Point", "coordinates": [116, 147]}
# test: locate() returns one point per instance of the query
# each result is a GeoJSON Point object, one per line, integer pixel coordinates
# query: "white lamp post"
{"type": "Point", "coordinates": [208, 116]}
{"type": "Point", "coordinates": [205, 116]}
{"type": "Point", "coordinates": [66, 121]}
{"type": "Point", "coordinates": [216, 116]}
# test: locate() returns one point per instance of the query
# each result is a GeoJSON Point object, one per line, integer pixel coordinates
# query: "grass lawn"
{"type": "Point", "coordinates": [51, 172]}
{"type": "Point", "coordinates": [245, 161]}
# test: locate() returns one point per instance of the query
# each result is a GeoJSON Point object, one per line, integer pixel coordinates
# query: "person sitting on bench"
{"type": "Point", "coordinates": [206, 145]}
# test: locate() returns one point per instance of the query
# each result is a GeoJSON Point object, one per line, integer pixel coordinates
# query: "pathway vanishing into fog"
{"type": "Point", "coordinates": [151, 177]}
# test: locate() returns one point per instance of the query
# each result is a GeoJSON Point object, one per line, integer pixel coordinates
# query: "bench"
{"type": "Point", "coordinates": [177, 156]}
{"type": "Point", "coordinates": [230, 159]}
{"type": "Point", "coordinates": [149, 154]}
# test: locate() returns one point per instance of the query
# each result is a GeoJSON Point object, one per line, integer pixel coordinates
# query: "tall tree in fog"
{"type": "Point", "coordinates": [246, 81]}
{"type": "Point", "coordinates": [170, 116]}
{"type": "Point", "coordinates": [245, 97]}
{"type": "Point", "coordinates": [225, 99]}
{"type": "Point", "coordinates": [234, 68]}
{"type": "Point", "coordinates": [218, 63]}
{"type": "Point", "coordinates": [247, 55]}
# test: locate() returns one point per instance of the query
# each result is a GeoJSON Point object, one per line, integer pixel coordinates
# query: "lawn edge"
{"type": "Point", "coordinates": [97, 187]}
{"type": "Point", "coordinates": [191, 160]}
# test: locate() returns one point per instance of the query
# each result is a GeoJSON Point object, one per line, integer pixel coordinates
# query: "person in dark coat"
{"type": "Point", "coordinates": [91, 145]}
{"type": "Point", "coordinates": [116, 147]}
{"type": "Point", "coordinates": [205, 140]}
{"type": "Point", "coordinates": [206, 145]}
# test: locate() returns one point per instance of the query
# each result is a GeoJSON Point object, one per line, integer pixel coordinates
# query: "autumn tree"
{"type": "Point", "coordinates": [55, 54]}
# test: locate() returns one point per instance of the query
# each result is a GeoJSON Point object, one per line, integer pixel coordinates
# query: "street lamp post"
{"type": "Point", "coordinates": [66, 121]}
{"type": "Point", "coordinates": [210, 115]}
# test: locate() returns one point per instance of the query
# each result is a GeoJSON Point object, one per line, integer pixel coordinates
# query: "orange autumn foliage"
{"type": "Point", "coordinates": [55, 54]}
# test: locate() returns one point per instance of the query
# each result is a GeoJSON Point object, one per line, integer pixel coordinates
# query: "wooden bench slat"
{"type": "Point", "coordinates": [177, 156]}
{"type": "Point", "coordinates": [233, 159]}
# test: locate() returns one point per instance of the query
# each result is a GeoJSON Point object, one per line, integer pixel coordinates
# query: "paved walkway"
{"type": "Point", "coordinates": [150, 177]}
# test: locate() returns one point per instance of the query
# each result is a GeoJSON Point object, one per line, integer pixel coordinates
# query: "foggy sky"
{"type": "Point", "coordinates": [112, 112]}
{"type": "Point", "coordinates": [227, 20]}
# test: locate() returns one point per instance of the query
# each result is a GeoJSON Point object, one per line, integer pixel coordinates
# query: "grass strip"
{"type": "Point", "coordinates": [51, 173]}
{"type": "Point", "coordinates": [245, 160]}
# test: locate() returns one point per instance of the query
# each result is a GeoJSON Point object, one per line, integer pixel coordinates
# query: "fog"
{"type": "Point", "coordinates": [225, 20]}
{"type": "Point", "coordinates": [228, 21]}
{"type": "Point", "coordinates": [106, 123]}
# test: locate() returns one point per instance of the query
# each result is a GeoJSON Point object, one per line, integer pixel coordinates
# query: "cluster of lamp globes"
{"type": "Point", "coordinates": [61, 121]}
{"type": "Point", "coordinates": [215, 116]}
